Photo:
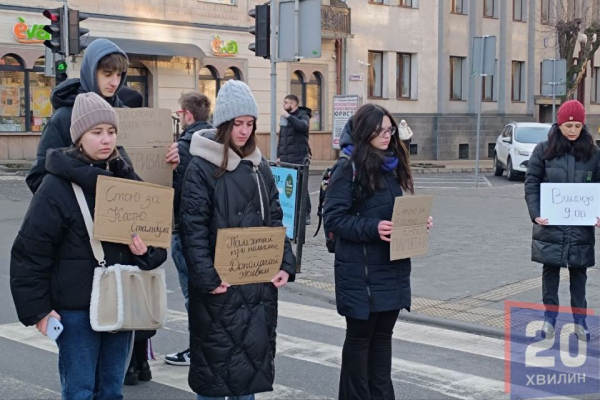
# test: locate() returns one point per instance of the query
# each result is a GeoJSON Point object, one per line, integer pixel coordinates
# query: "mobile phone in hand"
{"type": "Point", "coordinates": [54, 328]}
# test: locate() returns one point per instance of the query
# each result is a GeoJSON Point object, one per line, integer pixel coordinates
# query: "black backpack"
{"type": "Point", "coordinates": [330, 238]}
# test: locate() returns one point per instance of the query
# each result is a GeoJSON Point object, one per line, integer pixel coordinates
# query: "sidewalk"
{"type": "Point", "coordinates": [421, 166]}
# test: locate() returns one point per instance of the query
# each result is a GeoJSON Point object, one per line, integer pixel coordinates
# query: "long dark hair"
{"type": "Point", "coordinates": [223, 136]}
{"type": "Point", "coordinates": [558, 145]}
{"type": "Point", "coordinates": [366, 124]}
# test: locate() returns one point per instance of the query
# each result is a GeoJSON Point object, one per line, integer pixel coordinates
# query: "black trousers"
{"type": "Point", "coordinates": [550, 282]}
{"type": "Point", "coordinates": [367, 358]}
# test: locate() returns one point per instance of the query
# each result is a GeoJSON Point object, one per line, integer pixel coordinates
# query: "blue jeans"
{"type": "Point", "coordinates": [91, 364]}
{"type": "Point", "coordinates": [246, 397]}
{"type": "Point", "coordinates": [180, 264]}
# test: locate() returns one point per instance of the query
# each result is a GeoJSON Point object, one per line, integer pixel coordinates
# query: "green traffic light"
{"type": "Point", "coordinates": [61, 66]}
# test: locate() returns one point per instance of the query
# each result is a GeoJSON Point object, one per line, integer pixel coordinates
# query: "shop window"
{"type": "Point", "coordinates": [310, 95]}
{"type": "Point", "coordinates": [231, 73]}
{"type": "Point", "coordinates": [137, 78]}
{"type": "Point", "coordinates": [209, 84]}
{"type": "Point", "coordinates": [24, 96]}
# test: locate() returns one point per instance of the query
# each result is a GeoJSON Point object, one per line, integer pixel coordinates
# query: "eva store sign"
{"type": "Point", "coordinates": [29, 34]}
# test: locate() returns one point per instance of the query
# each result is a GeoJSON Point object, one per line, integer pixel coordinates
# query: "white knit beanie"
{"type": "Point", "coordinates": [235, 99]}
{"type": "Point", "coordinates": [90, 110]}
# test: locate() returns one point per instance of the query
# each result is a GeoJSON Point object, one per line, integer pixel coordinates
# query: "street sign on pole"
{"type": "Point", "coordinates": [273, 137]}
{"type": "Point", "coordinates": [299, 30]}
{"type": "Point", "coordinates": [483, 63]}
{"type": "Point", "coordinates": [554, 80]}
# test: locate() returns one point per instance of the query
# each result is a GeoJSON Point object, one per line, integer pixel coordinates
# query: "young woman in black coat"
{"type": "Point", "coordinates": [52, 263]}
{"type": "Point", "coordinates": [568, 156]}
{"type": "Point", "coordinates": [370, 288]}
{"type": "Point", "coordinates": [228, 184]}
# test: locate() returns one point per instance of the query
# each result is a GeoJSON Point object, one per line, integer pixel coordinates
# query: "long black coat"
{"type": "Point", "coordinates": [293, 144]}
{"type": "Point", "coordinates": [232, 335]}
{"type": "Point", "coordinates": [365, 279]}
{"type": "Point", "coordinates": [52, 264]}
{"type": "Point", "coordinates": [560, 246]}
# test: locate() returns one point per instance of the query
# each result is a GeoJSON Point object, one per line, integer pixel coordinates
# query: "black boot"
{"type": "Point", "coordinates": [140, 350]}
{"type": "Point", "coordinates": [131, 376]}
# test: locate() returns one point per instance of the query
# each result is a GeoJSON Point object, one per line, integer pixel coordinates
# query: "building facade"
{"type": "Point", "coordinates": [174, 46]}
{"type": "Point", "coordinates": [414, 58]}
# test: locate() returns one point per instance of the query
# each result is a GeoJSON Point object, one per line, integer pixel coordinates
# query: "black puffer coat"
{"type": "Point", "coordinates": [52, 264]}
{"type": "Point", "coordinates": [232, 335]}
{"type": "Point", "coordinates": [183, 145]}
{"type": "Point", "coordinates": [293, 144]}
{"type": "Point", "coordinates": [365, 279]}
{"type": "Point", "coordinates": [560, 246]}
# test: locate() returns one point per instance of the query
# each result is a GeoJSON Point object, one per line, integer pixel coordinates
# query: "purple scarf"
{"type": "Point", "coordinates": [390, 162]}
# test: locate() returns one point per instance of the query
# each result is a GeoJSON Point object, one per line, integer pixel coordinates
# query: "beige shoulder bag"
{"type": "Point", "coordinates": [124, 297]}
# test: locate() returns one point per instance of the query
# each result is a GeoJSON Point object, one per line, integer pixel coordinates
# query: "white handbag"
{"type": "Point", "coordinates": [124, 297]}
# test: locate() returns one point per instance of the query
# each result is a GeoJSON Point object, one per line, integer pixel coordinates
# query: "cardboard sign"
{"type": "Point", "coordinates": [149, 163]}
{"type": "Point", "coordinates": [410, 237]}
{"type": "Point", "coordinates": [570, 203]}
{"type": "Point", "coordinates": [124, 206]}
{"type": "Point", "coordinates": [249, 255]}
{"type": "Point", "coordinates": [144, 127]}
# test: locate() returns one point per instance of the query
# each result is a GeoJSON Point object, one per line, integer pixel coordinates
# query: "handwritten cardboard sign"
{"type": "Point", "coordinates": [146, 134]}
{"type": "Point", "coordinates": [249, 255]}
{"type": "Point", "coordinates": [570, 203]}
{"type": "Point", "coordinates": [149, 163]}
{"type": "Point", "coordinates": [124, 206]}
{"type": "Point", "coordinates": [144, 127]}
{"type": "Point", "coordinates": [410, 237]}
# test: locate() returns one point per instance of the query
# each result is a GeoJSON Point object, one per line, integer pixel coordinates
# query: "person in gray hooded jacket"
{"type": "Point", "coordinates": [103, 71]}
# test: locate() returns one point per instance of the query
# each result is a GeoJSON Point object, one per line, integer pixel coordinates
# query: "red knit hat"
{"type": "Point", "coordinates": [571, 111]}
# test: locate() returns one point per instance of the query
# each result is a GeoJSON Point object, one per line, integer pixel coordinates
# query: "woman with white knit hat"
{"type": "Point", "coordinates": [52, 263]}
{"type": "Point", "coordinates": [228, 184]}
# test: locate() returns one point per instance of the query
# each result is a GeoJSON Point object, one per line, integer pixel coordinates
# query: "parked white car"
{"type": "Point", "coordinates": [515, 145]}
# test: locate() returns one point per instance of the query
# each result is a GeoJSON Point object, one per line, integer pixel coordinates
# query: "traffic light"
{"type": "Point", "coordinates": [56, 17]}
{"type": "Point", "coordinates": [262, 30]}
{"type": "Point", "coordinates": [75, 32]}
{"type": "Point", "coordinates": [60, 71]}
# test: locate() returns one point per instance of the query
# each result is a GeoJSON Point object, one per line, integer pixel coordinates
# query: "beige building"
{"type": "Point", "coordinates": [174, 46]}
{"type": "Point", "coordinates": [414, 58]}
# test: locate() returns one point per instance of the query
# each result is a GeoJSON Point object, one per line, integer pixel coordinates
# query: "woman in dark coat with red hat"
{"type": "Point", "coordinates": [568, 156]}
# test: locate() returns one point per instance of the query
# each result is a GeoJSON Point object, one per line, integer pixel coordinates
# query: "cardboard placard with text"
{"type": "Point", "coordinates": [144, 127]}
{"type": "Point", "coordinates": [249, 255]}
{"type": "Point", "coordinates": [124, 206]}
{"type": "Point", "coordinates": [410, 237]}
{"type": "Point", "coordinates": [149, 163]}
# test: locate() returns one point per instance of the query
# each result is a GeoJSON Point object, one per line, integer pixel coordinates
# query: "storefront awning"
{"type": "Point", "coordinates": [152, 48]}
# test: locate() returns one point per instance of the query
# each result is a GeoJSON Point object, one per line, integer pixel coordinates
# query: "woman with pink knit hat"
{"type": "Point", "coordinates": [569, 155]}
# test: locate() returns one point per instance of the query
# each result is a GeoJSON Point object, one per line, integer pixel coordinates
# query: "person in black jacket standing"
{"type": "Point", "coordinates": [293, 144]}
{"type": "Point", "coordinates": [52, 264]}
{"type": "Point", "coordinates": [568, 156]}
{"type": "Point", "coordinates": [228, 184]}
{"type": "Point", "coordinates": [370, 288]}
{"type": "Point", "coordinates": [193, 114]}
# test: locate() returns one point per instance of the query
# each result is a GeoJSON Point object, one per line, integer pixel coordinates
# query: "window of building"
{"type": "Point", "coordinates": [456, 78]}
{"type": "Point", "coordinates": [545, 11]}
{"type": "Point", "coordinates": [24, 96]}
{"type": "Point", "coordinates": [596, 86]}
{"type": "Point", "coordinates": [413, 149]}
{"type": "Point", "coordinates": [408, 3]}
{"type": "Point", "coordinates": [491, 150]}
{"type": "Point", "coordinates": [489, 9]}
{"type": "Point", "coordinates": [310, 95]}
{"type": "Point", "coordinates": [227, 2]}
{"type": "Point", "coordinates": [137, 78]}
{"type": "Point", "coordinates": [209, 84]}
{"type": "Point", "coordinates": [458, 6]}
{"type": "Point", "coordinates": [488, 88]}
{"type": "Point", "coordinates": [376, 1]}
{"type": "Point", "coordinates": [375, 74]}
{"type": "Point", "coordinates": [519, 10]}
{"type": "Point", "coordinates": [463, 151]}
{"type": "Point", "coordinates": [403, 76]}
{"type": "Point", "coordinates": [518, 81]}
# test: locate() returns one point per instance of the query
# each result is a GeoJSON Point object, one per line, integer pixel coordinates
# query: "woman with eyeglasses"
{"type": "Point", "coordinates": [371, 289]}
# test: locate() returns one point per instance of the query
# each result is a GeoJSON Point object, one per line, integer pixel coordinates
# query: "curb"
{"type": "Point", "coordinates": [455, 170]}
{"type": "Point", "coordinates": [413, 317]}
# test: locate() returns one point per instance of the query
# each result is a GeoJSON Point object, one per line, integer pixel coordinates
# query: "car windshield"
{"type": "Point", "coordinates": [531, 134]}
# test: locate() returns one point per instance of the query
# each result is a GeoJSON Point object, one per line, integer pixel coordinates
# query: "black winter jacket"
{"type": "Point", "coordinates": [183, 144]}
{"type": "Point", "coordinates": [293, 144]}
{"type": "Point", "coordinates": [52, 264]}
{"type": "Point", "coordinates": [554, 245]}
{"type": "Point", "coordinates": [232, 335]}
{"type": "Point", "coordinates": [366, 280]}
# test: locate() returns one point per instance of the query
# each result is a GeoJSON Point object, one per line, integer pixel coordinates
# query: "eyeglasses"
{"type": "Point", "coordinates": [179, 112]}
{"type": "Point", "coordinates": [391, 131]}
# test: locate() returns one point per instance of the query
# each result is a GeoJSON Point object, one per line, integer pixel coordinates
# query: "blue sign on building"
{"type": "Point", "coordinates": [287, 183]}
